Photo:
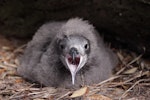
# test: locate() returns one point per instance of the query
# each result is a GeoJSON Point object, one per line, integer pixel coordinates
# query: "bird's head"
{"type": "Point", "coordinates": [74, 50]}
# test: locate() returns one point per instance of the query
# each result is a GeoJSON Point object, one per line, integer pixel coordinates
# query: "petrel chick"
{"type": "Point", "coordinates": [67, 54]}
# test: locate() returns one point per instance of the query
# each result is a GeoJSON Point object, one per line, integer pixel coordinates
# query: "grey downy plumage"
{"type": "Point", "coordinates": [67, 54]}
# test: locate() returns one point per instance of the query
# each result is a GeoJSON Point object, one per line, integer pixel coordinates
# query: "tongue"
{"type": "Point", "coordinates": [75, 61]}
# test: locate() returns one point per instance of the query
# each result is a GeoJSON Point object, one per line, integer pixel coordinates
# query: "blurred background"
{"type": "Point", "coordinates": [124, 23]}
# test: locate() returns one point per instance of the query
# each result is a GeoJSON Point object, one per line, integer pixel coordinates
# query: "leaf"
{"type": "Point", "coordinates": [2, 70]}
{"type": "Point", "coordinates": [97, 97]}
{"type": "Point", "coordinates": [17, 62]}
{"type": "Point", "coordinates": [18, 80]}
{"type": "Point", "coordinates": [38, 99]}
{"type": "Point", "coordinates": [6, 48]}
{"type": "Point", "coordinates": [79, 92]}
{"type": "Point", "coordinates": [131, 71]}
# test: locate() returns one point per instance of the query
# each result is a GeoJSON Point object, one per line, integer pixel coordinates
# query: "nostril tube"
{"type": "Point", "coordinates": [73, 53]}
{"type": "Point", "coordinates": [73, 50]}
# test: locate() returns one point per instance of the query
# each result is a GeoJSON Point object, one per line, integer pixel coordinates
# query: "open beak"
{"type": "Point", "coordinates": [75, 62]}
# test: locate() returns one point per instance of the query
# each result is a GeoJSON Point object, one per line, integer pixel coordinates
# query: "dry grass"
{"type": "Point", "coordinates": [131, 79]}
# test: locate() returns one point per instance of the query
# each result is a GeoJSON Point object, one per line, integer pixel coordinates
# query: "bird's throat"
{"type": "Point", "coordinates": [74, 61]}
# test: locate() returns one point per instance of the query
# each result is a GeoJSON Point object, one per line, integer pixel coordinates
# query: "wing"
{"type": "Point", "coordinates": [36, 49]}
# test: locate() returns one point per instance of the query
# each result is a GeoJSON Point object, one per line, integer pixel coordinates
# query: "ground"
{"type": "Point", "coordinates": [130, 80]}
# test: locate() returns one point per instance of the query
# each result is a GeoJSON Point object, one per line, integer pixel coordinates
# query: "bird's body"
{"type": "Point", "coordinates": [44, 62]}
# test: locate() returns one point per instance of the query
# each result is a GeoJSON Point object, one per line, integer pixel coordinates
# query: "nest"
{"type": "Point", "coordinates": [130, 81]}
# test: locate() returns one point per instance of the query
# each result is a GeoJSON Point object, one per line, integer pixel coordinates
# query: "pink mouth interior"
{"type": "Point", "coordinates": [75, 62]}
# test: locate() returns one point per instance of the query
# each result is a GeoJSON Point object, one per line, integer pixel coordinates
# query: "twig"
{"type": "Point", "coordinates": [19, 48]}
{"type": "Point", "coordinates": [134, 60]}
{"type": "Point", "coordinates": [122, 96]}
{"type": "Point", "coordinates": [131, 62]}
{"type": "Point", "coordinates": [110, 79]}
{"type": "Point", "coordinates": [121, 70]}
{"type": "Point", "coordinates": [20, 91]}
{"type": "Point", "coordinates": [10, 65]}
{"type": "Point", "coordinates": [137, 76]}
{"type": "Point", "coordinates": [64, 95]}
{"type": "Point", "coordinates": [3, 66]}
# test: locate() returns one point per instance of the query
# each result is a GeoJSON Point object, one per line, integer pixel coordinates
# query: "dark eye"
{"type": "Point", "coordinates": [86, 46]}
{"type": "Point", "coordinates": [62, 46]}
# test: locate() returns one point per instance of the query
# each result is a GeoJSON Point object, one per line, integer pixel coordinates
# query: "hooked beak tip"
{"type": "Point", "coordinates": [73, 74]}
{"type": "Point", "coordinates": [75, 67]}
